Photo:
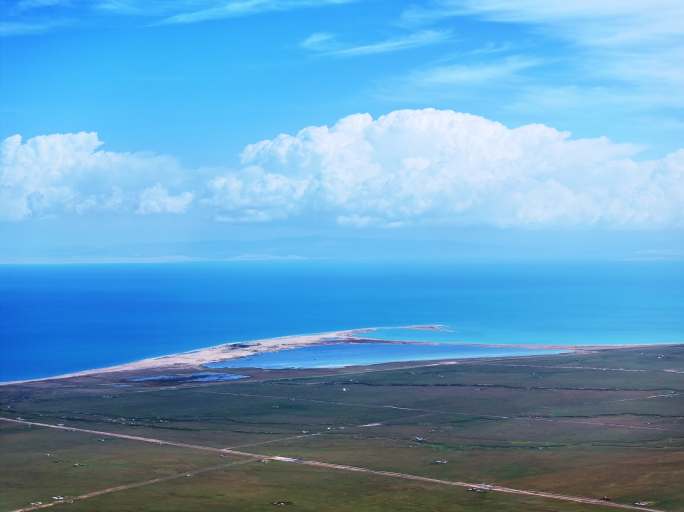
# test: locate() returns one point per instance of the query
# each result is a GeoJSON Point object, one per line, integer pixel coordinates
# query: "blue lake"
{"type": "Point", "coordinates": [62, 318]}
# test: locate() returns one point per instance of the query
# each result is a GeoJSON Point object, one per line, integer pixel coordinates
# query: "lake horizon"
{"type": "Point", "coordinates": [60, 319]}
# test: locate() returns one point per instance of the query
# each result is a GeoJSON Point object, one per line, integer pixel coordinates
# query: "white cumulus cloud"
{"type": "Point", "coordinates": [253, 195]}
{"type": "Point", "coordinates": [69, 173]}
{"type": "Point", "coordinates": [157, 199]}
{"type": "Point", "coordinates": [408, 167]}
{"type": "Point", "coordinates": [414, 166]}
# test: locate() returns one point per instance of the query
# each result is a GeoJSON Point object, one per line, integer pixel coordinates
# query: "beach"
{"type": "Point", "coordinates": [196, 358]}
{"type": "Point", "coordinates": [231, 354]}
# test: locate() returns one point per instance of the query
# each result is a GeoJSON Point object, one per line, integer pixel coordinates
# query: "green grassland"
{"type": "Point", "coordinates": [605, 423]}
{"type": "Point", "coordinates": [39, 463]}
{"type": "Point", "coordinates": [256, 487]}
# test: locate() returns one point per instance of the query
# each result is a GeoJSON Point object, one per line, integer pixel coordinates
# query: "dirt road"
{"type": "Point", "coordinates": [135, 485]}
{"type": "Point", "coordinates": [337, 467]}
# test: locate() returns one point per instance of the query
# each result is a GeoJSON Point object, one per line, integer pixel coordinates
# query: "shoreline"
{"type": "Point", "coordinates": [197, 358]}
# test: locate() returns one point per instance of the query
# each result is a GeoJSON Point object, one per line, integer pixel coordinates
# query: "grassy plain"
{"type": "Point", "coordinates": [602, 424]}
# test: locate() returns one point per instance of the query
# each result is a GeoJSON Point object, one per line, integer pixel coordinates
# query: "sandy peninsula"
{"type": "Point", "coordinates": [194, 359]}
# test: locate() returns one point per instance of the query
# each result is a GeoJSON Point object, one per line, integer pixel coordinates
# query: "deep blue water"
{"type": "Point", "coordinates": [61, 318]}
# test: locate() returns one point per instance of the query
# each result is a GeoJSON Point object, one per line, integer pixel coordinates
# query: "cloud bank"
{"type": "Point", "coordinates": [68, 174]}
{"type": "Point", "coordinates": [408, 167]}
{"type": "Point", "coordinates": [444, 166]}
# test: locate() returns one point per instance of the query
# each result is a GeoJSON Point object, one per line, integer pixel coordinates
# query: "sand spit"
{"type": "Point", "coordinates": [196, 359]}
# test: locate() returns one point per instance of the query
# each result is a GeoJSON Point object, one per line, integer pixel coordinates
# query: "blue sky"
{"type": "Point", "coordinates": [161, 120]}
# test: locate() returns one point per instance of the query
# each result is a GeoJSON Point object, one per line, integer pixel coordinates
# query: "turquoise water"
{"type": "Point", "coordinates": [448, 334]}
{"type": "Point", "coordinates": [325, 356]}
{"type": "Point", "coordinates": [62, 318]}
